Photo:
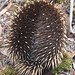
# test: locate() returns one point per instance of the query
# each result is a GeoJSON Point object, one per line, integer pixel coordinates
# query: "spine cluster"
{"type": "Point", "coordinates": [37, 39]}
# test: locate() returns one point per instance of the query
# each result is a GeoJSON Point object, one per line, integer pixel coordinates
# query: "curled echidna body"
{"type": "Point", "coordinates": [37, 39]}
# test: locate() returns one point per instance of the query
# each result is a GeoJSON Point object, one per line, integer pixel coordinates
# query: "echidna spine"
{"type": "Point", "coordinates": [37, 38]}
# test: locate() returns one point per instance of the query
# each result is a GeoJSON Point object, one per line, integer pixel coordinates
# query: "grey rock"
{"type": "Point", "coordinates": [73, 65]}
{"type": "Point", "coordinates": [0, 63]}
{"type": "Point", "coordinates": [65, 73]}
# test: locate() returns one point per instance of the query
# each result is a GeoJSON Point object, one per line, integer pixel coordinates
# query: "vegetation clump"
{"type": "Point", "coordinates": [8, 71]}
{"type": "Point", "coordinates": [64, 66]}
{"type": "Point", "coordinates": [60, 1]}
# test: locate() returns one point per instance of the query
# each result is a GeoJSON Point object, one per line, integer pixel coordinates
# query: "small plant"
{"type": "Point", "coordinates": [60, 1]}
{"type": "Point", "coordinates": [64, 66]}
{"type": "Point", "coordinates": [0, 44]}
{"type": "Point", "coordinates": [8, 71]}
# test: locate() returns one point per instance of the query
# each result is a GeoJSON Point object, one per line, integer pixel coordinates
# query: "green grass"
{"type": "Point", "coordinates": [8, 71]}
{"type": "Point", "coordinates": [60, 1]}
{"type": "Point", "coordinates": [0, 44]}
{"type": "Point", "coordinates": [64, 66]}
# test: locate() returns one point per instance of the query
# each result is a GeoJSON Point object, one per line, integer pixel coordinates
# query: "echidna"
{"type": "Point", "coordinates": [37, 39]}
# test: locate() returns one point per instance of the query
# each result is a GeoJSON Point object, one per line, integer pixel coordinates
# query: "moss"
{"type": "Point", "coordinates": [0, 44]}
{"type": "Point", "coordinates": [64, 66]}
{"type": "Point", "coordinates": [59, 1]}
{"type": "Point", "coordinates": [8, 71]}
{"type": "Point", "coordinates": [1, 60]}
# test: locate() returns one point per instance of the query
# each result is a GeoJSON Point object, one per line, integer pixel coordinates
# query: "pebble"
{"type": "Point", "coordinates": [7, 13]}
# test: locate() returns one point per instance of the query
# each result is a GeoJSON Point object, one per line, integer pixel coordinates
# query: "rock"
{"type": "Point", "coordinates": [73, 65]}
{"type": "Point", "coordinates": [4, 52]}
{"type": "Point", "coordinates": [0, 30]}
{"type": "Point", "coordinates": [7, 13]}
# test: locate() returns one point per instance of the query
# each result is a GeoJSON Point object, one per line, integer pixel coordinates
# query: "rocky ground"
{"type": "Point", "coordinates": [5, 21]}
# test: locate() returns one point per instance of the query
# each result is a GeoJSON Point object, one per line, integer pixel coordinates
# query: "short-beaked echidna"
{"type": "Point", "coordinates": [37, 39]}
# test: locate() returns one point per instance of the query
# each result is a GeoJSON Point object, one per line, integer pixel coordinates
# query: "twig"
{"type": "Point", "coordinates": [3, 4]}
{"type": "Point", "coordinates": [71, 14]}
{"type": "Point", "coordinates": [6, 9]}
{"type": "Point", "coordinates": [0, 30]}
